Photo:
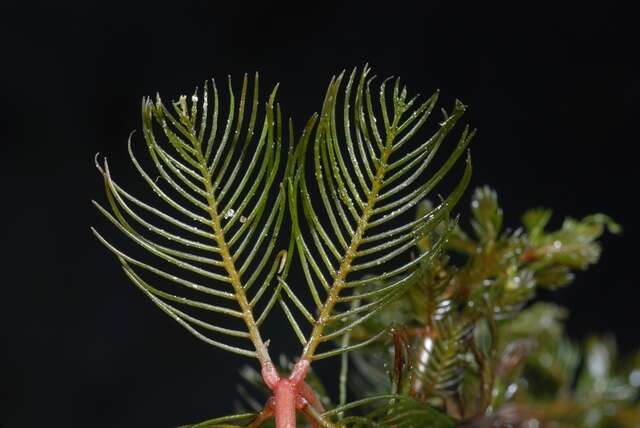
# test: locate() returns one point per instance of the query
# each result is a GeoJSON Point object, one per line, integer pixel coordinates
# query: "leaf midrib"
{"type": "Point", "coordinates": [356, 240]}
{"type": "Point", "coordinates": [227, 260]}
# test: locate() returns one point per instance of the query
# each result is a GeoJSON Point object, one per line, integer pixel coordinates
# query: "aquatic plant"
{"type": "Point", "coordinates": [430, 342]}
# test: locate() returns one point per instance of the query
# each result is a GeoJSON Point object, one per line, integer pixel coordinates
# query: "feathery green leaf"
{"type": "Point", "coordinates": [360, 192]}
{"type": "Point", "coordinates": [222, 213]}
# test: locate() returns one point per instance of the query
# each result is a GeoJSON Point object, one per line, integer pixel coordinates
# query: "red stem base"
{"type": "Point", "coordinates": [290, 394]}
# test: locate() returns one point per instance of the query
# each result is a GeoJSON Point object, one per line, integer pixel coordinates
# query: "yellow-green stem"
{"type": "Point", "coordinates": [247, 314]}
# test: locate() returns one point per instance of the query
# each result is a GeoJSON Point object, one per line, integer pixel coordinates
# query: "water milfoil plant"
{"type": "Point", "coordinates": [245, 198]}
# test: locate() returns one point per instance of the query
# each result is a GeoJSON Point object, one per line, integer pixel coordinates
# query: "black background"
{"type": "Point", "coordinates": [553, 89]}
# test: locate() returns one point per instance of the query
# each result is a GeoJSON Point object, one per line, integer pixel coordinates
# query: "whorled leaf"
{"type": "Point", "coordinates": [487, 214]}
{"type": "Point", "coordinates": [573, 245]}
{"type": "Point", "coordinates": [553, 255]}
{"type": "Point", "coordinates": [222, 211]}
{"type": "Point", "coordinates": [367, 175]}
{"type": "Point", "coordinates": [440, 360]}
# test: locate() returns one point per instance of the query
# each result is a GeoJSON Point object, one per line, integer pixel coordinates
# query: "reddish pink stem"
{"type": "Point", "coordinates": [309, 394]}
{"type": "Point", "coordinates": [289, 394]}
{"type": "Point", "coordinates": [285, 394]}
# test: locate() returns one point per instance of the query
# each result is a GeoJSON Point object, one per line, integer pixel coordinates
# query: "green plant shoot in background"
{"type": "Point", "coordinates": [433, 327]}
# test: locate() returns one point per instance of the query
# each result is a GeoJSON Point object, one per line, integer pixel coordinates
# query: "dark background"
{"type": "Point", "coordinates": [553, 89]}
